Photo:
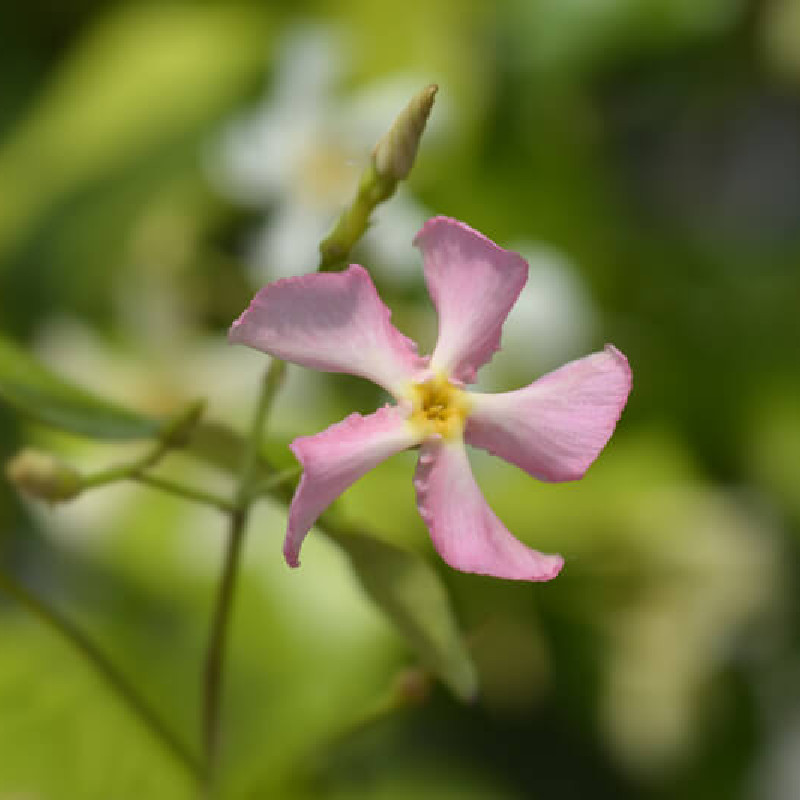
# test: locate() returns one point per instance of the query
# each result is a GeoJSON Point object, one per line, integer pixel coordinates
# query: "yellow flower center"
{"type": "Point", "coordinates": [439, 408]}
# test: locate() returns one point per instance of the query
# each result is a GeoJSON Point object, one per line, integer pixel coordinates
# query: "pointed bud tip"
{"type": "Point", "coordinates": [394, 154]}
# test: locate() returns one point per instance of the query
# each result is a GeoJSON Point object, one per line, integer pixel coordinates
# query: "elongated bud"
{"type": "Point", "coordinates": [43, 476]}
{"type": "Point", "coordinates": [394, 154]}
{"type": "Point", "coordinates": [392, 160]}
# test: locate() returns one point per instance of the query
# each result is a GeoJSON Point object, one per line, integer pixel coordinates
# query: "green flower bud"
{"type": "Point", "coordinates": [43, 476]}
{"type": "Point", "coordinates": [394, 154]}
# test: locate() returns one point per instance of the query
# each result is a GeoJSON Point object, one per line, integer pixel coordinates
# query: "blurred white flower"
{"type": "Point", "coordinates": [299, 154]}
{"type": "Point", "coordinates": [711, 577]}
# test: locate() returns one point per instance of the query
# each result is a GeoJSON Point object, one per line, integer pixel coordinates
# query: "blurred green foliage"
{"type": "Point", "coordinates": [654, 146]}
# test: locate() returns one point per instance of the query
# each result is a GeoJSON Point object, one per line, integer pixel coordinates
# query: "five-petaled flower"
{"type": "Point", "coordinates": [553, 429]}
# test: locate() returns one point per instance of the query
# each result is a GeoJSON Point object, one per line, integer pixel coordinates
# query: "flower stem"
{"type": "Point", "coordinates": [115, 679]}
{"type": "Point", "coordinates": [269, 485]}
{"type": "Point", "coordinates": [351, 225]}
{"type": "Point", "coordinates": [391, 162]}
{"type": "Point", "coordinates": [214, 664]}
{"type": "Point", "coordinates": [215, 653]}
{"type": "Point", "coordinates": [135, 471]}
{"type": "Point", "coordinates": [123, 472]}
{"type": "Point", "coordinates": [187, 492]}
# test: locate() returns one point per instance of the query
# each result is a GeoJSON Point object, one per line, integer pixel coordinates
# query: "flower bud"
{"type": "Point", "coordinates": [43, 476]}
{"type": "Point", "coordinates": [394, 154]}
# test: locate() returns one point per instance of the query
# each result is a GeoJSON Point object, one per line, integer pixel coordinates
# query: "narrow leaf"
{"type": "Point", "coordinates": [411, 594]}
{"type": "Point", "coordinates": [33, 390]}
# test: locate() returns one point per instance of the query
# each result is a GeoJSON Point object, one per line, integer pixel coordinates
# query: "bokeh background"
{"type": "Point", "coordinates": [160, 161]}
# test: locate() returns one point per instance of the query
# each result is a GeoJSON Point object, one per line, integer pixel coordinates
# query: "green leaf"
{"type": "Point", "coordinates": [217, 444]}
{"type": "Point", "coordinates": [66, 734]}
{"type": "Point", "coordinates": [411, 594]}
{"type": "Point", "coordinates": [98, 111]}
{"type": "Point", "coordinates": [33, 390]}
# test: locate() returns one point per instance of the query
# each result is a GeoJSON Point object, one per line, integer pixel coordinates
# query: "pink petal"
{"type": "Point", "coordinates": [465, 531]}
{"type": "Point", "coordinates": [335, 459]}
{"type": "Point", "coordinates": [473, 284]}
{"type": "Point", "coordinates": [333, 322]}
{"type": "Point", "coordinates": [556, 427]}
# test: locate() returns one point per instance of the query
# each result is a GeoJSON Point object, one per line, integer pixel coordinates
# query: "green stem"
{"type": "Point", "coordinates": [187, 492]}
{"type": "Point", "coordinates": [269, 485]}
{"type": "Point", "coordinates": [215, 653]}
{"type": "Point", "coordinates": [269, 388]}
{"type": "Point", "coordinates": [214, 664]}
{"type": "Point", "coordinates": [174, 435]}
{"type": "Point", "coordinates": [354, 220]}
{"type": "Point", "coordinates": [116, 680]}
{"type": "Point", "coordinates": [137, 470]}
{"type": "Point", "coordinates": [123, 472]}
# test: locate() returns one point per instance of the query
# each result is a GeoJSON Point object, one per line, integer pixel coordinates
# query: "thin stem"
{"type": "Point", "coordinates": [269, 485]}
{"type": "Point", "coordinates": [391, 162]}
{"type": "Point", "coordinates": [216, 645]}
{"type": "Point", "coordinates": [354, 220]}
{"type": "Point", "coordinates": [272, 381]}
{"type": "Point", "coordinates": [118, 682]}
{"type": "Point", "coordinates": [188, 492]}
{"type": "Point", "coordinates": [173, 435]}
{"type": "Point", "coordinates": [125, 471]}
{"type": "Point", "coordinates": [137, 471]}
{"type": "Point", "coordinates": [215, 654]}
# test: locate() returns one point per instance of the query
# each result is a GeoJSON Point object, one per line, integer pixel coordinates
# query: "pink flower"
{"type": "Point", "coordinates": [553, 429]}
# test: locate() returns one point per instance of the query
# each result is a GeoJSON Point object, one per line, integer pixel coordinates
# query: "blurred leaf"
{"type": "Point", "coordinates": [280, 704]}
{"type": "Point", "coordinates": [412, 595]}
{"type": "Point", "coordinates": [64, 733]}
{"type": "Point", "coordinates": [100, 110]}
{"type": "Point", "coordinates": [35, 391]}
{"type": "Point", "coordinates": [564, 36]}
{"type": "Point", "coordinates": [217, 444]}
{"type": "Point", "coordinates": [771, 450]}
